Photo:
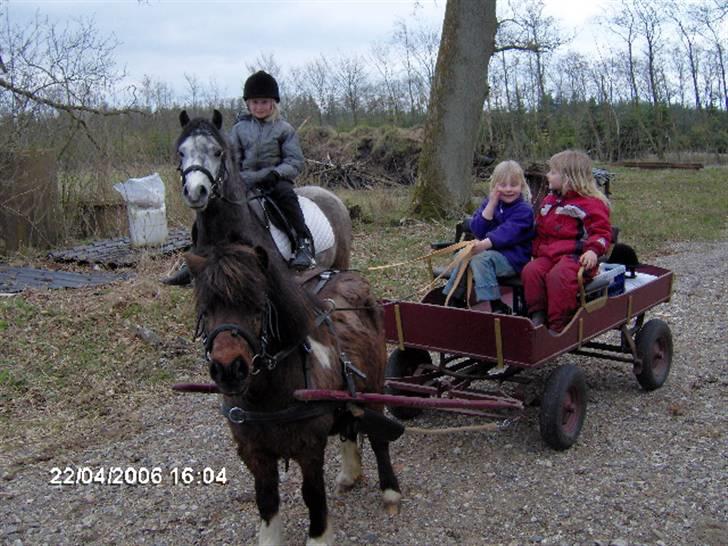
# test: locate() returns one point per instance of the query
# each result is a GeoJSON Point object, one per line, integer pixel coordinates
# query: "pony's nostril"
{"type": "Point", "coordinates": [215, 371]}
{"type": "Point", "coordinates": [203, 191]}
{"type": "Point", "coordinates": [185, 191]}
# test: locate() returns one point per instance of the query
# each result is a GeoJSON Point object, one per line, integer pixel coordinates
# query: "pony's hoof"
{"type": "Point", "coordinates": [324, 540]}
{"type": "Point", "coordinates": [392, 501]}
{"type": "Point", "coordinates": [344, 486]}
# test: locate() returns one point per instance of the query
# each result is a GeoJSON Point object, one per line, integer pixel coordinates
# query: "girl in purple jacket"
{"type": "Point", "coordinates": [503, 225]}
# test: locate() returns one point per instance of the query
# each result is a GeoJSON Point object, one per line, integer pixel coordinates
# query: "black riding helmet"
{"type": "Point", "coordinates": [261, 85]}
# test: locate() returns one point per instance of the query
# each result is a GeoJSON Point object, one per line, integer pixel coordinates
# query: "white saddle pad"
{"type": "Point", "coordinates": [318, 225]}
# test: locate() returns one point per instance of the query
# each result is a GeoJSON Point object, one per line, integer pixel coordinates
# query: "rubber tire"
{"type": "Point", "coordinates": [403, 363]}
{"type": "Point", "coordinates": [563, 407]}
{"type": "Point", "coordinates": [654, 347]}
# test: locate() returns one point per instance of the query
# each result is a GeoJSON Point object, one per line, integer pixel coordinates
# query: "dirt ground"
{"type": "Point", "coordinates": [649, 468]}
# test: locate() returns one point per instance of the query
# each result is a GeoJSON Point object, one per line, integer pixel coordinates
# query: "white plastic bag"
{"type": "Point", "coordinates": [146, 192]}
{"type": "Point", "coordinates": [146, 210]}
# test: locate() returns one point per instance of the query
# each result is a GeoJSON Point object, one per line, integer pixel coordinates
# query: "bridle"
{"type": "Point", "coordinates": [217, 180]}
{"type": "Point", "coordinates": [259, 345]}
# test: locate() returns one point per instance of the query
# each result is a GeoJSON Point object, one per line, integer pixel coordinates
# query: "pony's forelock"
{"type": "Point", "coordinates": [201, 126]}
{"type": "Point", "coordinates": [234, 278]}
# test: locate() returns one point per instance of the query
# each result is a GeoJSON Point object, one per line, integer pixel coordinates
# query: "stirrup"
{"type": "Point", "coordinates": [303, 259]}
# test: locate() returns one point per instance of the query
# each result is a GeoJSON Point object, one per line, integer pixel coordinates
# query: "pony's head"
{"type": "Point", "coordinates": [238, 295]}
{"type": "Point", "coordinates": [202, 151]}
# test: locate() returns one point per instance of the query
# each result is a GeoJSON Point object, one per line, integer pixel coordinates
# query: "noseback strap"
{"type": "Point", "coordinates": [235, 330]}
{"type": "Point", "coordinates": [199, 168]}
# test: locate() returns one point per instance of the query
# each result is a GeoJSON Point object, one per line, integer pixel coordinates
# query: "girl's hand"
{"type": "Point", "coordinates": [489, 210]}
{"type": "Point", "coordinates": [588, 259]}
{"type": "Point", "coordinates": [482, 245]}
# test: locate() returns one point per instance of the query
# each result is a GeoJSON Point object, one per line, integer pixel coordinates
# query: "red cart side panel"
{"type": "Point", "coordinates": [474, 333]}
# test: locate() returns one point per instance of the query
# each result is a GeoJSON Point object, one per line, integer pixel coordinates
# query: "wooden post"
{"type": "Point", "coordinates": [29, 203]}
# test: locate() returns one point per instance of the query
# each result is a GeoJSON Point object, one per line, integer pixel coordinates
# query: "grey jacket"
{"type": "Point", "coordinates": [264, 146]}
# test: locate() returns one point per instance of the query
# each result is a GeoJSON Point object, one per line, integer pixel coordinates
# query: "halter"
{"type": "Point", "coordinates": [215, 181]}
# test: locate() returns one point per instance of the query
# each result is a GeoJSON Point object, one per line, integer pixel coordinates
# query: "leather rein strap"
{"type": "Point", "coordinates": [297, 412]}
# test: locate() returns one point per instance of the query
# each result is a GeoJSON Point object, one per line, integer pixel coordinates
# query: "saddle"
{"type": "Point", "coordinates": [280, 229]}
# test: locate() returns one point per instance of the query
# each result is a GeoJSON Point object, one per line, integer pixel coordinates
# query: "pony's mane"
{"type": "Point", "coordinates": [237, 276]}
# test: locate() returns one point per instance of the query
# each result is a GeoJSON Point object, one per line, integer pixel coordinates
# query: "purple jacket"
{"type": "Point", "coordinates": [510, 230]}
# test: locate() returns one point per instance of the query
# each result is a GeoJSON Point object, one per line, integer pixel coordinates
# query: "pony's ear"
{"type": "Point", "coordinates": [195, 262]}
{"type": "Point", "coordinates": [184, 119]}
{"type": "Point", "coordinates": [262, 255]}
{"type": "Point", "coordinates": [217, 119]}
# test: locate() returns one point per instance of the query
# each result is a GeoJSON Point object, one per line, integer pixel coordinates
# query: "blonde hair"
{"type": "Point", "coordinates": [576, 168]}
{"type": "Point", "coordinates": [507, 170]}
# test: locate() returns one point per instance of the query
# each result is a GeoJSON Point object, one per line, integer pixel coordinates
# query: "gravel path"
{"type": "Point", "coordinates": [649, 468]}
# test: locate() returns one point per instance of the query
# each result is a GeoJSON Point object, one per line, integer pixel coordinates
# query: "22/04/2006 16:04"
{"type": "Point", "coordinates": [130, 475]}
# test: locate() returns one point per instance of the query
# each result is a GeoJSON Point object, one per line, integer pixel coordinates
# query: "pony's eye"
{"type": "Point", "coordinates": [218, 153]}
{"type": "Point", "coordinates": [180, 153]}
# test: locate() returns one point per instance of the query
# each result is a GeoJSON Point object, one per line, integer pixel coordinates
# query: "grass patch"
{"type": "Point", "coordinates": [655, 209]}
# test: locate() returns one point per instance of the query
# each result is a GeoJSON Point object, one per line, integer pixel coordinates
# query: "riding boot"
{"type": "Point", "coordinates": [181, 278]}
{"type": "Point", "coordinates": [497, 306]}
{"type": "Point", "coordinates": [304, 257]}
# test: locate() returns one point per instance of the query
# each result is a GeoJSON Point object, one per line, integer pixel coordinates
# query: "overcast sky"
{"type": "Point", "coordinates": [214, 39]}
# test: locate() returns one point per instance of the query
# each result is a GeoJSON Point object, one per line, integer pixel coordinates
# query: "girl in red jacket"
{"type": "Point", "coordinates": [572, 230]}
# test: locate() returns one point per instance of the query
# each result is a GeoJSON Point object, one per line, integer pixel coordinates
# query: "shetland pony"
{"type": "Point", "coordinates": [266, 337]}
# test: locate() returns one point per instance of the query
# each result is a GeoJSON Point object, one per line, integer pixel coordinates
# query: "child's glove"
{"type": "Point", "coordinates": [270, 179]}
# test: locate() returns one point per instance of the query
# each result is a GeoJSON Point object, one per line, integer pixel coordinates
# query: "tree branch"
{"type": "Point", "coordinates": [70, 108]}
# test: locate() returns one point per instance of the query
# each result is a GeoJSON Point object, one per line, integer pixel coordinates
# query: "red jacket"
{"type": "Point", "coordinates": [572, 224]}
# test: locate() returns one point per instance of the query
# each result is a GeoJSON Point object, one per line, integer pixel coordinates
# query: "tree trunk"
{"type": "Point", "coordinates": [444, 177]}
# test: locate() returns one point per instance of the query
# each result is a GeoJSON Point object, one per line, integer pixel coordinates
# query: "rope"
{"type": "Point", "coordinates": [461, 258]}
{"type": "Point", "coordinates": [486, 427]}
{"type": "Point", "coordinates": [438, 252]}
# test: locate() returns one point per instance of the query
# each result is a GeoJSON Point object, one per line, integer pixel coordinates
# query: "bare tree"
{"type": "Point", "coordinates": [456, 105]}
{"type": "Point", "coordinates": [318, 82]}
{"type": "Point", "coordinates": [194, 90]}
{"type": "Point", "coordinates": [688, 37]}
{"type": "Point", "coordinates": [381, 57]}
{"type": "Point", "coordinates": [403, 40]}
{"type": "Point", "coordinates": [712, 16]}
{"type": "Point", "coordinates": [623, 23]}
{"type": "Point", "coordinates": [51, 68]}
{"type": "Point", "coordinates": [351, 79]}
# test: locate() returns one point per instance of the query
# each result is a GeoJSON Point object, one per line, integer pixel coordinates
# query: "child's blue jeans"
{"type": "Point", "coordinates": [486, 266]}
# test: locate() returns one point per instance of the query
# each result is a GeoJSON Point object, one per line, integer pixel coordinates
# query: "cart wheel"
{"type": "Point", "coordinates": [563, 407]}
{"type": "Point", "coordinates": [402, 363]}
{"type": "Point", "coordinates": [654, 347]}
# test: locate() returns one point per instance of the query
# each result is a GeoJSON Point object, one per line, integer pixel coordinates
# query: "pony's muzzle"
{"type": "Point", "coordinates": [196, 195]}
{"type": "Point", "coordinates": [229, 377]}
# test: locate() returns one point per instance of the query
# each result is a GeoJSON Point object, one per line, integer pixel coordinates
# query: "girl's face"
{"type": "Point", "coordinates": [557, 181]}
{"type": "Point", "coordinates": [509, 189]}
{"type": "Point", "coordinates": [261, 108]}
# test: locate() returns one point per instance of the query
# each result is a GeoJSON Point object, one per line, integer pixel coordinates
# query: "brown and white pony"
{"type": "Point", "coordinates": [265, 337]}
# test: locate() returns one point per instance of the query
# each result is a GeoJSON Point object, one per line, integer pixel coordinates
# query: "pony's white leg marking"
{"type": "Point", "coordinates": [321, 352]}
{"type": "Point", "coordinates": [271, 534]}
{"type": "Point", "coordinates": [392, 501]}
{"type": "Point", "coordinates": [326, 539]}
{"type": "Point", "coordinates": [350, 466]}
